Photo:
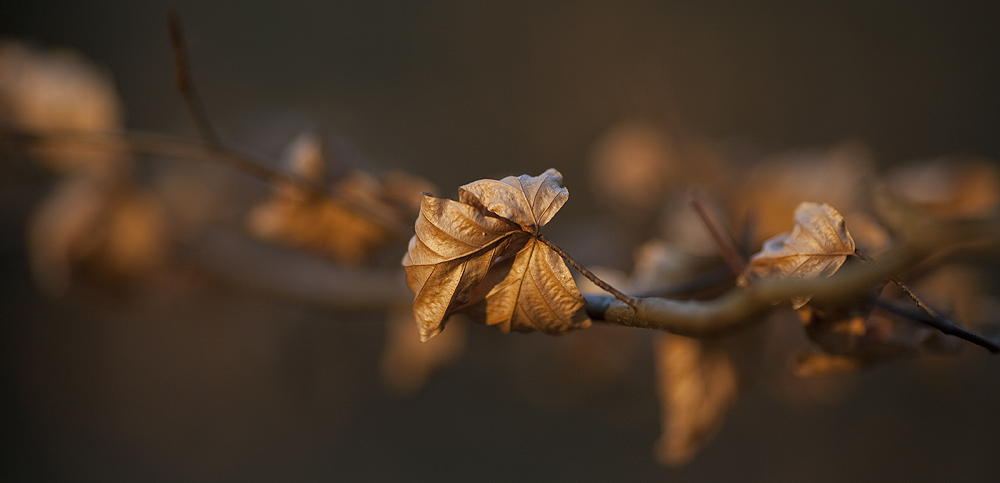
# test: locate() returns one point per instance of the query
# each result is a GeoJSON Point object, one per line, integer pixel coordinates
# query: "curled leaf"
{"type": "Point", "coordinates": [528, 201]}
{"type": "Point", "coordinates": [817, 247]}
{"type": "Point", "coordinates": [481, 256]}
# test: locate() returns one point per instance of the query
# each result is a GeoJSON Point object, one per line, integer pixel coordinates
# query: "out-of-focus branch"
{"type": "Point", "coordinates": [295, 277]}
{"type": "Point", "coordinates": [212, 143]}
{"type": "Point", "coordinates": [744, 306]}
{"type": "Point", "coordinates": [185, 83]}
{"type": "Point", "coordinates": [172, 146]}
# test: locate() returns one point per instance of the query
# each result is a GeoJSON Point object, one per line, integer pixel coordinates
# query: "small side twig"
{"type": "Point", "coordinates": [185, 84]}
{"type": "Point", "coordinates": [940, 323]}
{"type": "Point", "coordinates": [934, 318]}
{"type": "Point", "coordinates": [163, 145]}
{"type": "Point", "coordinates": [587, 273]}
{"type": "Point", "coordinates": [727, 247]}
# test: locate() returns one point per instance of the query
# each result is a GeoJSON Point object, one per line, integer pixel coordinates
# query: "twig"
{"type": "Point", "coordinates": [587, 273]}
{"type": "Point", "coordinates": [727, 247]}
{"type": "Point", "coordinates": [163, 145]}
{"type": "Point", "coordinates": [185, 84]}
{"type": "Point", "coordinates": [940, 323]}
{"type": "Point", "coordinates": [740, 307]}
{"type": "Point", "coordinates": [212, 143]}
{"type": "Point", "coordinates": [934, 318]}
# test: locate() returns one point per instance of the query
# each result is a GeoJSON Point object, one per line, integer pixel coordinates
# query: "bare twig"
{"type": "Point", "coordinates": [727, 247]}
{"type": "Point", "coordinates": [163, 145]}
{"type": "Point", "coordinates": [740, 307]}
{"type": "Point", "coordinates": [942, 324]}
{"type": "Point", "coordinates": [934, 318]}
{"type": "Point", "coordinates": [213, 144]}
{"type": "Point", "coordinates": [185, 84]}
{"type": "Point", "coordinates": [587, 273]}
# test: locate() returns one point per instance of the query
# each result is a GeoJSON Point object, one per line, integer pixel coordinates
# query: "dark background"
{"type": "Point", "coordinates": [224, 386]}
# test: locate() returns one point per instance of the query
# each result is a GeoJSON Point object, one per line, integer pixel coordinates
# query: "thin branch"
{"type": "Point", "coordinates": [185, 84]}
{"type": "Point", "coordinates": [740, 307]}
{"type": "Point", "coordinates": [940, 323]}
{"type": "Point", "coordinates": [727, 247]}
{"type": "Point", "coordinates": [171, 146]}
{"type": "Point", "coordinates": [587, 273]}
{"type": "Point", "coordinates": [934, 318]}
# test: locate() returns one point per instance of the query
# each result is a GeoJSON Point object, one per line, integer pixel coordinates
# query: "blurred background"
{"type": "Point", "coordinates": [196, 379]}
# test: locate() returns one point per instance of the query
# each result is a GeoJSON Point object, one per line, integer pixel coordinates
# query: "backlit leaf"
{"type": "Point", "coordinates": [817, 247]}
{"type": "Point", "coordinates": [481, 256]}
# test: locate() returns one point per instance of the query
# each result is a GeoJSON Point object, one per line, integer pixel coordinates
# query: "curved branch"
{"type": "Point", "coordinates": [743, 306]}
{"type": "Point", "coordinates": [172, 146]}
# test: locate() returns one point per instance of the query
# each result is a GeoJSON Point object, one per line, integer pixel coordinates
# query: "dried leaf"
{"type": "Point", "coordinates": [60, 90]}
{"type": "Point", "coordinates": [528, 201]}
{"type": "Point", "coordinates": [632, 166]}
{"type": "Point", "coordinates": [777, 185]}
{"type": "Point", "coordinates": [106, 234]}
{"type": "Point", "coordinates": [697, 384]}
{"type": "Point", "coordinates": [480, 256]}
{"type": "Point", "coordinates": [814, 364]}
{"type": "Point", "coordinates": [298, 219]}
{"type": "Point", "coordinates": [532, 291]}
{"type": "Point", "coordinates": [817, 246]}
{"type": "Point", "coordinates": [949, 187]}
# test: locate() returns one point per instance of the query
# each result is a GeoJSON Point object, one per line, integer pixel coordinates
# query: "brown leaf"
{"type": "Point", "coordinates": [697, 384]}
{"type": "Point", "coordinates": [107, 234]}
{"type": "Point", "coordinates": [532, 291]}
{"type": "Point", "coordinates": [528, 201]}
{"type": "Point", "coordinates": [949, 187]}
{"type": "Point", "coordinates": [480, 255]}
{"type": "Point", "coordinates": [60, 90]}
{"type": "Point", "coordinates": [817, 246]}
{"type": "Point", "coordinates": [322, 225]}
{"type": "Point", "coordinates": [776, 186]}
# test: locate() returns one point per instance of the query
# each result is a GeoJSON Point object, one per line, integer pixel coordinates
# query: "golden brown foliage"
{"type": "Point", "coordinates": [481, 255]}
{"type": "Point", "coordinates": [346, 228]}
{"type": "Point", "coordinates": [111, 234]}
{"type": "Point", "coordinates": [816, 247]}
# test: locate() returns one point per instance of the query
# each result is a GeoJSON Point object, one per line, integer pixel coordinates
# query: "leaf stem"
{"type": "Point", "coordinates": [587, 273]}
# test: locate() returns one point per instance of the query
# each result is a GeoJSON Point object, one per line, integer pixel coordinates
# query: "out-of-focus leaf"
{"type": "Point", "coordinates": [406, 362]}
{"type": "Point", "coordinates": [637, 165]}
{"type": "Point", "coordinates": [817, 246]}
{"type": "Point", "coordinates": [815, 364]}
{"type": "Point", "coordinates": [480, 255]}
{"type": "Point", "coordinates": [777, 185]}
{"type": "Point", "coordinates": [323, 225]}
{"type": "Point", "coordinates": [948, 187]}
{"type": "Point", "coordinates": [46, 91]}
{"type": "Point", "coordinates": [697, 384]}
{"type": "Point", "coordinates": [109, 234]}
{"type": "Point", "coordinates": [632, 166]}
